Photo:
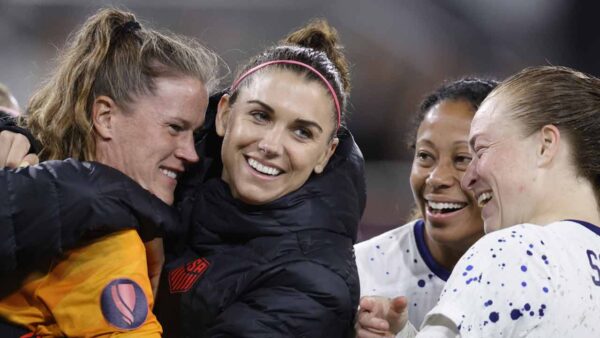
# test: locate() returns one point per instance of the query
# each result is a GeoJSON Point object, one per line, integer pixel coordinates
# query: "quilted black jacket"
{"type": "Point", "coordinates": [285, 269]}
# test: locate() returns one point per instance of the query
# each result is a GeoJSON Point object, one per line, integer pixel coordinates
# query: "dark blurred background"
{"type": "Point", "coordinates": [399, 51]}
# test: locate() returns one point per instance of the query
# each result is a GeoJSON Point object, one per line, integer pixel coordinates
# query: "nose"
{"type": "Point", "coordinates": [186, 151]}
{"type": "Point", "coordinates": [470, 176]}
{"type": "Point", "coordinates": [442, 176]}
{"type": "Point", "coordinates": [271, 142]}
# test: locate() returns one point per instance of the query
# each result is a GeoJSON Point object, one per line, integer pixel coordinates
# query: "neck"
{"type": "Point", "coordinates": [576, 199]}
{"type": "Point", "coordinates": [446, 255]}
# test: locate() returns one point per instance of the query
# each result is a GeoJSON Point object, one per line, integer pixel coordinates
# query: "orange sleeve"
{"type": "Point", "coordinates": [102, 289]}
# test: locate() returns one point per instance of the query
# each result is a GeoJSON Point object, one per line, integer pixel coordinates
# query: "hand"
{"type": "Point", "coordinates": [155, 257]}
{"type": "Point", "coordinates": [381, 317]}
{"type": "Point", "coordinates": [13, 150]}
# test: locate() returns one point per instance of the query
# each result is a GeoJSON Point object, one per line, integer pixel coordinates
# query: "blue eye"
{"type": "Point", "coordinates": [303, 133]}
{"type": "Point", "coordinates": [260, 116]}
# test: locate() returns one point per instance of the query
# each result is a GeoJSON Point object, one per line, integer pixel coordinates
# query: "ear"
{"type": "Point", "coordinates": [103, 111]}
{"type": "Point", "coordinates": [324, 159]}
{"type": "Point", "coordinates": [223, 110]}
{"type": "Point", "coordinates": [549, 144]}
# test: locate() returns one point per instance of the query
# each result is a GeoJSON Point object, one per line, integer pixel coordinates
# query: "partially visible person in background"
{"type": "Point", "coordinates": [8, 103]}
{"type": "Point", "coordinates": [416, 259]}
{"type": "Point", "coordinates": [14, 145]}
{"type": "Point", "coordinates": [130, 98]}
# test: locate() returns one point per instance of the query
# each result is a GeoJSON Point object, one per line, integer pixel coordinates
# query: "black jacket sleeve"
{"type": "Point", "coordinates": [58, 205]}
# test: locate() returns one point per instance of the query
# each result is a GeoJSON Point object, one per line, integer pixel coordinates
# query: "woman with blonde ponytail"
{"type": "Point", "coordinates": [130, 98]}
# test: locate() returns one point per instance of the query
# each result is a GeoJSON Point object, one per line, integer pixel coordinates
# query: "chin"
{"type": "Point", "coordinates": [251, 198]}
{"type": "Point", "coordinates": [256, 199]}
{"type": "Point", "coordinates": [254, 195]}
{"type": "Point", "coordinates": [168, 198]}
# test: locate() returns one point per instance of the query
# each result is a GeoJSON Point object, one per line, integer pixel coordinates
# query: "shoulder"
{"type": "Point", "coordinates": [503, 282]}
{"type": "Point", "coordinates": [391, 237]}
{"type": "Point", "coordinates": [506, 254]}
{"type": "Point", "coordinates": [511, 238]}
{"type": "Point", "coordinates": [388, 248]}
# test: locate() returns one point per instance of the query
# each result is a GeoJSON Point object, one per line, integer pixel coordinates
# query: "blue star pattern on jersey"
{"type": "Point", "coordinates": [526, 280]}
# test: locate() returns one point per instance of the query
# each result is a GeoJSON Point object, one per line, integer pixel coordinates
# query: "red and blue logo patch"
{"type": "Point", "coordinates": [183, 278]}
{"type": "Point", "coordinates": [124, 304]}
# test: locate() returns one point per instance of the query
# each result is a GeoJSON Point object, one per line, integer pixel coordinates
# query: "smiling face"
{"type": "Point", "coordinates": [502, 174]}
{"type": "Point", "coordinates": [151, 140]}
{"type": "Point", "coordinates": [441, 158]}
{"type": "Point", "coordinates": [275, 135]}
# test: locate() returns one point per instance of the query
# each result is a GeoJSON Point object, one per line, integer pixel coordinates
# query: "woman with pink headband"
{"type": "Point", "coordinates": [273, 205]}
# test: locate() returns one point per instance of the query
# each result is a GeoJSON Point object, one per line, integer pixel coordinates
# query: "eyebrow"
{"type": "Point", "coordinates": [184, 123]}
{"type": "Point", "coordinates": [308, 123]}
{"type": "Point", "coordinates": [472, 141]}
{"type": "Point", "coordinates": [429, 143]}
{"type": "Point", "coordinates": [269, 109]}
{"type": "Point", "coordinates": [262, 104]}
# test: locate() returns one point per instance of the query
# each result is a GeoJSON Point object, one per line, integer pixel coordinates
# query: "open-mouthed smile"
{"type": "Point", "coordinates": [263, 168]}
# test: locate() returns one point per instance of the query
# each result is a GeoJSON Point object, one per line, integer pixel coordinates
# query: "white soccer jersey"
{"type": "Point", "coordinates": [398, 263]}
{"type": "Point", "coordinates": [527, 280]}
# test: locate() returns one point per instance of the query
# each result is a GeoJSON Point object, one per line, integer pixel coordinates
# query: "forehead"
{"type": "Point", "coordinates": [183, 98]}
{"type": "Point", "coordinates": [490, 117]}
{"type": "Point", "coordinates": [447, 119]}
{"type": "Point", "coordinates": [287, 91]}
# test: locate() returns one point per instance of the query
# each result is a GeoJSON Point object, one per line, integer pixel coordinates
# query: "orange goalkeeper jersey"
{"type": "Point", "coordinates": [101, 289]}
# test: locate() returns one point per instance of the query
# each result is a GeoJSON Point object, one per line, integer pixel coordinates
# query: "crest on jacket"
{"type": "Point", "coordinates": [181, 279]}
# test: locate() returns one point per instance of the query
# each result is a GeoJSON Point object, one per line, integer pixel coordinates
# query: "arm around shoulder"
{"type": "Point", "coordinates": [57, 205]}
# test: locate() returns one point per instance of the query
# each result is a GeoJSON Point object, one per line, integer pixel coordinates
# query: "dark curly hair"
{"type": "Point", "coordinates": [470, 89]}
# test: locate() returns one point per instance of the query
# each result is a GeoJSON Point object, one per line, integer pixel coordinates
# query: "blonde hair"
{"type": "Point", "coordinates": [110, 55]}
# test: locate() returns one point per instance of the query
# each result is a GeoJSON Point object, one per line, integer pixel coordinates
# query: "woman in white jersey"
{"type": "Point", "coordinates": [415, 260]}
{"type": "Point", "coordinates": [536, 173]}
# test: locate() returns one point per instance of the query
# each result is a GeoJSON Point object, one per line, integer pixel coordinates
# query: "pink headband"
{"type": "Point", "coordinates": [236, 83]}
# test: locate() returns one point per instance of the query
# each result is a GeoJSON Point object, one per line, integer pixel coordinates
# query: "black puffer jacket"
{"type": "Point", "coordinates": [58, 205]}
{"type": "Point", "coordinates": [285, 269]}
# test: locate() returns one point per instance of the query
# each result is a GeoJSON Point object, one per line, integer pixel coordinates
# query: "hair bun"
{"type": "Point", "coordinates": [320, 36]}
